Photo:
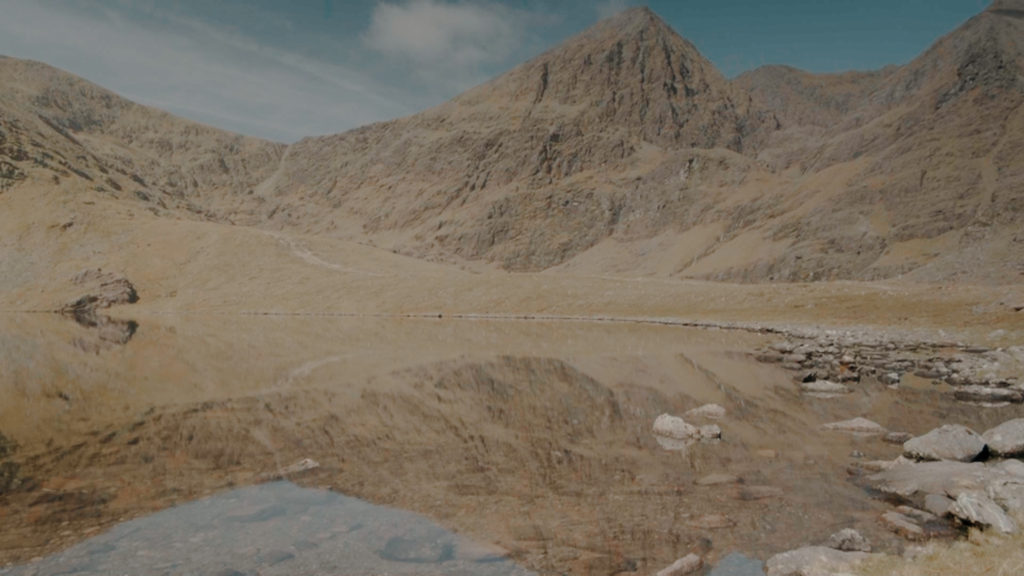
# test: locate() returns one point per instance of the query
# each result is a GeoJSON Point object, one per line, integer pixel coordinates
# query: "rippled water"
{"type": "Point", "coordinates": [532, 440]}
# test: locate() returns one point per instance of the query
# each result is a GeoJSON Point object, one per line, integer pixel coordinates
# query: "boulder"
{"type": "Point", "coordinates": [1007, 439]}
{"type": "Point", "coordinates": [948, 442]}
{"type": "Point", "coordinates": [675, 427]}
{"type": "Point", "coordinates": [849, 540]}
{"type": "Point", "coordinates": [977, 508]}
{"type": "Point", "coordinates": [988, 395]}
{"type": "Point", "coordinates": [685, 565]}
{"type": "Point", "coordinates": [857, 426]}
{"type": "Point", "coordinates": [814, 561]}
{"type": "Point", "coordinates": [945, 477]}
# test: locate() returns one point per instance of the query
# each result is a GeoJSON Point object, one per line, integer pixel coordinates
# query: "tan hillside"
{"type": "Point", "coordinates": [622, 152]}
{"type": "Point", "coordinates": [627, 141]}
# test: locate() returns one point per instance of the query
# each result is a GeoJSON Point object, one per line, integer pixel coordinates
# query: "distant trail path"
{"type": "Point", "coordinates": [309, 257]}
{"type": "Point", "coordinates": [304, 370]}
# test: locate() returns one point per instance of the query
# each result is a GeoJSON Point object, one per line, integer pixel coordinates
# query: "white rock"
{"type": "Point", "coordinates": [814, 561]}
{"type": "Point", "coordinates": [685, 565]}
{"type": "Point", "coordinates": [1014, 467]}
{"type": "Point", "coordinates": [948, 442]}
{"type": "Point", "coordinates": [857, 426]}
{"type": "Point", "coordinates": [710, 432]}
{"type": "Point", "coordinates": [977, 508]}
{"type": "Point", "coordinates": [824, 387]}
{"type": "Point", "coordinates": [1007, 439]}
{"type": "Point", "coordinates": [675, 427]}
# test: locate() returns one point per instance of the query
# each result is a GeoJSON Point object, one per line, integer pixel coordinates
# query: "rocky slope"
{"type": "Point", "coordinates": [58, 127]}
{"type": "Point", "coordinates": [621, 152]}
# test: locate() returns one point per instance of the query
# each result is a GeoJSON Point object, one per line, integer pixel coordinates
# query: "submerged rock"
{"type": "Point", "coordinates": [1007, 439]}
{"type": "Point", "coordinates": [814, 561]}
{"type": "Point", "coordinates": [948, 442]}
{"type": "Point", "coordinates": [738, 565]}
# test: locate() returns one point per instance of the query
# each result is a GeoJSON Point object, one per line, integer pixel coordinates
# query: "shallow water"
{"type": "Point", "coordinates": [530, 439]}
{"type": "Point", "coordinates": [276, 528]}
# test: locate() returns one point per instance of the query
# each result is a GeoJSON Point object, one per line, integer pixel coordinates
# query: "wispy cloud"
{"type": "Point", "coordinates": [281, 70]}
{"type": "Point", "coordinates": [609, 8]}
{"type": "Point", "coordinates": [450, 43]}
{"type": "Point", "coordinates": [191, 68]}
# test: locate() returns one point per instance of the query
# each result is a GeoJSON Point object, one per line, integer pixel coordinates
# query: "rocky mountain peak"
{"type": "Point", "coordinates": [1007, 7]}
{"type": "Point", "coordinates": [630, 72]}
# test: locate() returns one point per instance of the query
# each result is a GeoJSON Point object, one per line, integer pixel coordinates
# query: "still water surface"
{"type": "Point", "coordinates": [529, 440]}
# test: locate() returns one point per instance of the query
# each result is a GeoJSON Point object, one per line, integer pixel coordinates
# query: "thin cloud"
{"type": "Point", "coordinates": [193, 69]}
{"type": "Point", "coordinates": [449, 42]}
{"type": "Point", "coordinates": [609, 8]}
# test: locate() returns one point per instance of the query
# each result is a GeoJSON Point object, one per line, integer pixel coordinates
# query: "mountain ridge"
{"type": "Point", "coordinates": [624, 151]}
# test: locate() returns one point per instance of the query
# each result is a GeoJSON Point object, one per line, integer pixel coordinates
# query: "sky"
{"type": "Point", "coordinates": [285, 69]}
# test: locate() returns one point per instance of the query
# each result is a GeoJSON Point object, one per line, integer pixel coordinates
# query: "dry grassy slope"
{"type": "Point", "coordinates": [621, 152]}
{"type": "Point", "coordinates": [624, 152]}
{"type": "Point", "coordinates": [62, 127]}
{"type": "Point", "coordinates": [932, 176]}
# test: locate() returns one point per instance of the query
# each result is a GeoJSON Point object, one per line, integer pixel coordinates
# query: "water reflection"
{"type": "Point", "coordinates": [276, 528]}
{"type": "Point", "coordinates": [534, 436]}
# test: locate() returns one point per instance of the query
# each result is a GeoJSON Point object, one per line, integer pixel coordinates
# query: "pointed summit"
{"type": "Point", "coordinates": [630, 72]}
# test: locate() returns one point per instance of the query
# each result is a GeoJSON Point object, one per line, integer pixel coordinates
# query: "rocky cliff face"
{"type": "Point", "coordinates": [621, 151]}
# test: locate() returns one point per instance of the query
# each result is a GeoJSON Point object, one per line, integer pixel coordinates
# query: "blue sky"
{"type": "Point", "coordinates": [283, 69]}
